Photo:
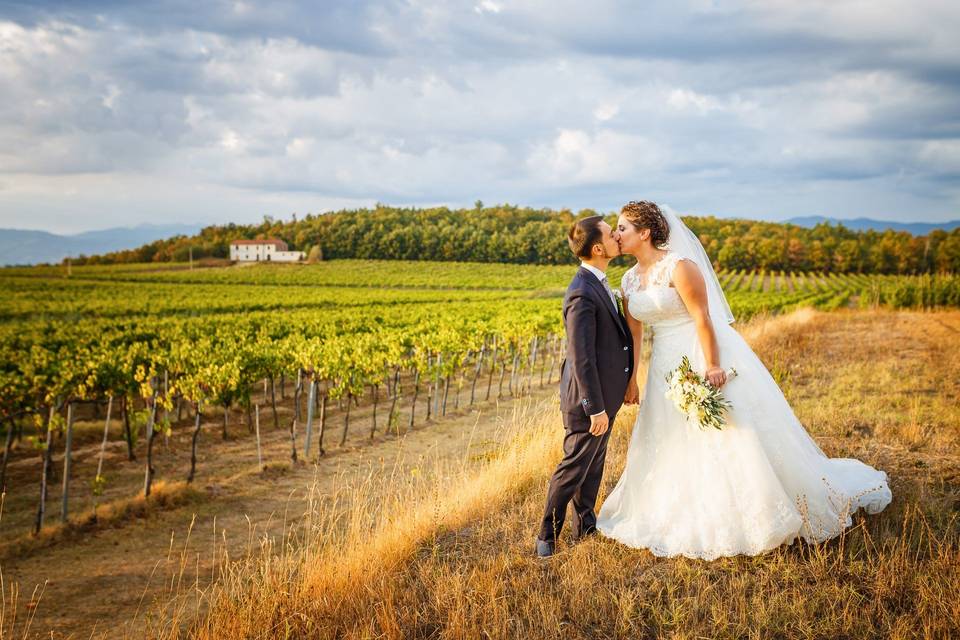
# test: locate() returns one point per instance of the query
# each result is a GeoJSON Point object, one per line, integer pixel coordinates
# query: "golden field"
{"type": "Point", "coordinates": [445, 549]}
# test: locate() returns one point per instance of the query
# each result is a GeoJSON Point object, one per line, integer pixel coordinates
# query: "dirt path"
{"type": "Point", "coordinates": [94, 585]}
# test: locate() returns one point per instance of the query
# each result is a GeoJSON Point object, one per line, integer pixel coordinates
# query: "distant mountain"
{"type": "Point", "coordinates": [26, 246]}
{"type": "Point", "coordinates": [864, 224]}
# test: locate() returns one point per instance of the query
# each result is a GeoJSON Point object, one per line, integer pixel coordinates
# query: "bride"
{"type": "Point", "coordinates": [759, 482]}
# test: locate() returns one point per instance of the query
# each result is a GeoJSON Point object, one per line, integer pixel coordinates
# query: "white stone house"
{"type": "Point", "coordinates": [269, 250]}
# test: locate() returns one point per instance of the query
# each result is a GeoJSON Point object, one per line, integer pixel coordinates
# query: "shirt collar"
{"type": "Point", "coordinates": [601, 276]}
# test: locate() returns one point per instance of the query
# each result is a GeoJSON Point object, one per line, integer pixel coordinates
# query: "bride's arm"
{"type": "Point", "coordinates": [693, 291]}
{"type": "Point", "coordinates": [632, 395]}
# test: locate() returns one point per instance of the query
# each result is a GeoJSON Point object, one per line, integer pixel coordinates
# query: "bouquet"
{"type": "Point", "coordinates": [695, 397]}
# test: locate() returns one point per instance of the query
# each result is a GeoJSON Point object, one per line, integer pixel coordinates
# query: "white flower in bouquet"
{"type": "Point", "coordinates": [696, 398]}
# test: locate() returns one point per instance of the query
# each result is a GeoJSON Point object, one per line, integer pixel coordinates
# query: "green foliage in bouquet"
{"type": "Point", "coordinates": [695, 397]}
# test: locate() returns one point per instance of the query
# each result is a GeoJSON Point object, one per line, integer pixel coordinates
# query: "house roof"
{"type": "Point", "coordinates": [279, 244]}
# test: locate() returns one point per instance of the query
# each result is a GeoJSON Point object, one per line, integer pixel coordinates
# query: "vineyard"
{"type": "Point", "coordinates": [752, 292]}
{"type": "Point", "coordinates": [147, 350]}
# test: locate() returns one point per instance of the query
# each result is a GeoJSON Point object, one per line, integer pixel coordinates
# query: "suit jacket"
{"type": "Point", "coordinates": [599, 357]}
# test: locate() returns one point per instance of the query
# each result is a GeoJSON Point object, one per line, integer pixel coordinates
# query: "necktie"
{"type": "Point", "coordinates": [606, 287]}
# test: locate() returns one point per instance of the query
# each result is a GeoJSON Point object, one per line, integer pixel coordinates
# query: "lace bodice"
{"type": "Point", "coordinates": [658, 304]}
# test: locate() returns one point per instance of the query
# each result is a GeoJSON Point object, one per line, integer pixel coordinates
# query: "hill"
{"type": "Point", "coordinates": [867, 224]}
{"type": "Point", "coordinates": [523, 235]}
{"type": "Point", "coordinates": [28, 246]}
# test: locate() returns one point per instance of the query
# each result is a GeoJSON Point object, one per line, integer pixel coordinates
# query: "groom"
{"type": "Point", "coordinates": [593, 379]}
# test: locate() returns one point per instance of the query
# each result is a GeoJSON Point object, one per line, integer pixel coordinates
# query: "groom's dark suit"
{"type": "Point", "coordinates": [593, 378]}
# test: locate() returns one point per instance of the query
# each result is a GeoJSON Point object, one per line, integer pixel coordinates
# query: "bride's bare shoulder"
{"type": "Point", "coordinates": [686, 272]}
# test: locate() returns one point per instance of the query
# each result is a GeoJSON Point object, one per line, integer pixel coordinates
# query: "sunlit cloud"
{"type": "Point", "coordinates": [235, 110]}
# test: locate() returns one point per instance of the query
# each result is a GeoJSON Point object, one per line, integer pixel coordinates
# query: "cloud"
{"type": "Point", "coordinates": [753, 108]}
{"type": "Point", "coordinates": [578, 157]}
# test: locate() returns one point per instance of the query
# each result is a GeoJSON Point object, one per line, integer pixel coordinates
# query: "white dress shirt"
{"type": "Point", "coordinates": [601, 276]}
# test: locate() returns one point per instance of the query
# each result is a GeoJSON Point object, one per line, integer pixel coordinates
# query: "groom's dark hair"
{"type": "Point", "coordinates": [584, 233]}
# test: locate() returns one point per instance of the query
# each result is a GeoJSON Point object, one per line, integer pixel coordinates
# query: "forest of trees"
{"type": "Point", "coordinates": [507, 233]}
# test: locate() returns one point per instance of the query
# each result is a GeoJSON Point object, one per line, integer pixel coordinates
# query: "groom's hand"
{"type": "Point", "coordinates": [599, 424]}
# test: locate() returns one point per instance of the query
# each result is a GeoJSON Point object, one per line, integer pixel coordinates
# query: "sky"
{"type": "Point", "coordinates": [118, 113]}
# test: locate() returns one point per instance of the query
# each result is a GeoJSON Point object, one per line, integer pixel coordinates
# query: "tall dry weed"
{"type": "Point", "coordinates": [447, 552]}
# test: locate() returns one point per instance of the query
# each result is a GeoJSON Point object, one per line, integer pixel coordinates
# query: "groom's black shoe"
{"type": "Point", "coordinates": [545, 548]}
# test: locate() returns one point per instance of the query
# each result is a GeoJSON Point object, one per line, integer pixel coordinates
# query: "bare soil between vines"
{"type": "Point", "coordinates": [99, 580]}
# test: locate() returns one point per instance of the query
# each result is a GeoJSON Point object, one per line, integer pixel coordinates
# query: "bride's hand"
{"type": "Point", "coordinates": [716, 376]}
{"type": "Point", "coordinates": [632, 395]}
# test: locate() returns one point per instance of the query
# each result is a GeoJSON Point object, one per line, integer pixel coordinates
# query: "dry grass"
{"type": "Point", "coordinates": [18, 615]}
{"type": "Point", "coordinates": [362, 535]}
{"type": "Point", "coordinates": [12, 613]}
{"type": "Point", "coordinates": [446, 552]}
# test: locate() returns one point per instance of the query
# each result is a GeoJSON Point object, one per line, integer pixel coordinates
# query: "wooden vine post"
{"type": "Point", "coordinates": [259, 453]}
{"type": "Point", "coordinates": [393, 402]}
{"type": "Point", "coordinates": [193, 442]}
{"type": "Point", "coordinates": [98, 480]}
{"type": "Point", "coordinates": [296, 416]}
{"type": "Point", "coordinates": [45, 470]}
{"type": "Point", "coordinates": [476, 372]}
{"type": "Point", "coordinates": [67, 458]}
{"type": "Point", "coordinates": [151, 434]}
{"type": "Point", "coordinates": [324, 399]}
{"type": "Point", "coordinates": [311, 397]}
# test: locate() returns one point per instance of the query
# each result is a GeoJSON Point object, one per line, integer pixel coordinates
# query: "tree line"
{"type": "Point", "coordinates": [523, 235]}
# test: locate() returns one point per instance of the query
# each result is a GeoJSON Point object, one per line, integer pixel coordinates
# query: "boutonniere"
{"type": "Point", "coordinates": [618, 296]}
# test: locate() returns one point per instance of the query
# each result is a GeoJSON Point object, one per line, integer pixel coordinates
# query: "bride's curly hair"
{"type": "Point", "coordinates": [647, 215]}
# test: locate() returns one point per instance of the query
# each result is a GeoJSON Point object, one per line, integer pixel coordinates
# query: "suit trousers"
{"type": "Point", "coordinates": [576, 479]}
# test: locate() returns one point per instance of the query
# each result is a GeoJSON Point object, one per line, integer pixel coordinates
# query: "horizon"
{"type": "Point", "coordinates": [142, 225]}
{"type": "Point", "coordinates": [121, 114]}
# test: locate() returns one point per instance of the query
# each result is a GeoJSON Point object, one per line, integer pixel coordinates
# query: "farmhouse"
{"type": "Point", "coordinates": [269, 250]}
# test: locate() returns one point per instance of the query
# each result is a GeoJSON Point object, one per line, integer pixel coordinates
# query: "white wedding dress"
{"type": "Point", "coordinates": [758, 483]}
